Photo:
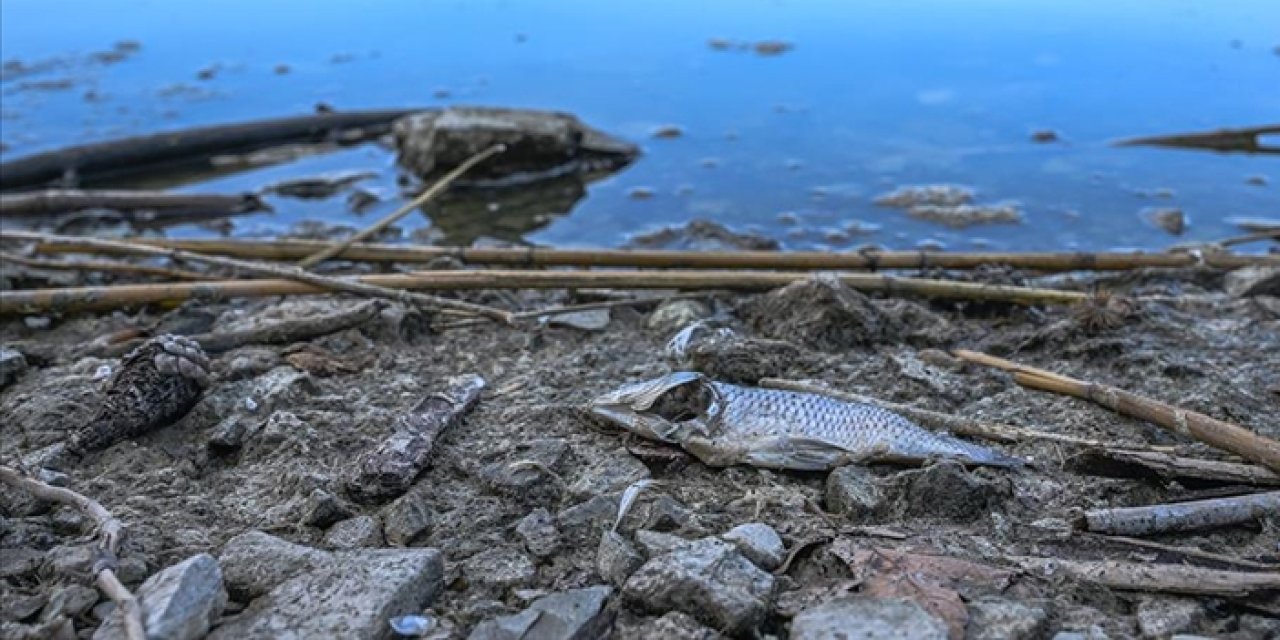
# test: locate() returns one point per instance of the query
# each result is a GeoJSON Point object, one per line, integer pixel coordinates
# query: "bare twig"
{"type": "Point", "coordinates": [436, 189]}
{"type": "Point", "coordinates": [1179, 551]}
{"type": "Point", "coordinates": [104, 266]}
{"type": "Point", "coordinates": [99, 298]}
{"type": "Point", "coordinates": [1139, 464]}
{"type": "Point", "coordinates": [1183, 516]}
{"type": "Point", "coordinates": [783, 260]}
{"type": "Point", "coordinates": [294, 274]}
{"type": "Point", "coordinates": [1166, 578]}
{"type": "Point", "coordinates": [111, 533]}
{"type": "Point", "coordinates": [945, 422]}
{"type": "Point", "coordinates": [1217, 433]}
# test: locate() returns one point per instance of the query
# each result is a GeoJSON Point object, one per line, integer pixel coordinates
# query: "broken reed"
{"type": "Point", "coordinates": [292, 250]}
{"type": "Point", "coordinates": [113, 297]}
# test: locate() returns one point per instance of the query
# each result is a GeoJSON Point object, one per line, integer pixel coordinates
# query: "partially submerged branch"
{"type": "Point", "coordinates": [1182, 516]}
{"type": "Point", "coordinates": [1217, 433]}
{"type": "Point", "coordinates": [54, 201]}
{"type": "Point", "coordinates": [110, 532]}
{"type": "Point", "coordinates": [1244, 140]}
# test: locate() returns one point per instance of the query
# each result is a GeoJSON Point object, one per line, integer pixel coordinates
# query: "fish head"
{"type": "Point", "coordinates": [662, 409]}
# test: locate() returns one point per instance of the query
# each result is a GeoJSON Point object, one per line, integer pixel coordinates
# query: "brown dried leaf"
{"type": "Point", "coordinates": [317, 361]}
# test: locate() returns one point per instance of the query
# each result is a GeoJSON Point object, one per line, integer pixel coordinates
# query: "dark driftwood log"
{"type": "Point", "coordinates": [55, 201]}
{"type": "Point", "coordinates": [1153, 465]}
{"type": "Point", "coordinates": [1247, 140]}
{"type": "Point", "coordinates": [144, 154]}
{"type": "Point", "coordinates": [1183, 516]}
{"type": "Point", "coordinates": [389, 469]}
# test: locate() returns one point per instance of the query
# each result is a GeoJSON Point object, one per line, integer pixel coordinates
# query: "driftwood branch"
{"type": "Point", "coordinates": [295, 276]}
{"type": "Point", "coordinates": [1183, 516]}
{"type": "Point", "coordinates": [1217, 433]}
{"type": "Point", "coordinates": [1165, 578]}
{"type": "Point", "coordinates": [1245, 140]}
{"type": "Point", "coordinates": [55, 201]}
{"type": "Point", "coordinates": [570, 308]}
{"type": "Point", "coordinates": [144, 154]}
{"type": "Point", "coordinates": [112, 297]}
{"type": "Point", "coordinates": [436, 189]}
{"type": "Point", "coordinates": [292, 250]}
{"type": "Point", "coordinates": [103, 266]}
{"type": "Point", "coordinates": [110, 532]}
{"type": "Point", "coordinates": [946, 422]}
{"type": "Point", "coordinates": [1151, 465]}
{"type": "Point", "coordinates": [1176, 552]}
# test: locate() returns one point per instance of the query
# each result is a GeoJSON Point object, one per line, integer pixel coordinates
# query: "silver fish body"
{"type": "Point", "coordinates": [725, 424]}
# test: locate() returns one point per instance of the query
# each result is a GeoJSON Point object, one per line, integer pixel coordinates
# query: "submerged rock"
{"type": "Point", "coordinates": [702, 235]}
{"type": "Point", "coordinates": [1173, 221]}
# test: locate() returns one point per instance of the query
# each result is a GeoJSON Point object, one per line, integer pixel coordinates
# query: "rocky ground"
{"type": "Point", "coordinates": [242, 516]}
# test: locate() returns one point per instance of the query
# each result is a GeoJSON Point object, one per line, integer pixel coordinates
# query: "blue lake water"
{"type": "Point", "coordinates": [874, 95]}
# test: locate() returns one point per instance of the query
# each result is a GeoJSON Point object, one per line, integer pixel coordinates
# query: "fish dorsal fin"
{"type": "Point", "coordinates": [647, 393]}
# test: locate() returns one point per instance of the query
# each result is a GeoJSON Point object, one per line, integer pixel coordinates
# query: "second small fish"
{"type": "Point", "coordinates": [724, 424]}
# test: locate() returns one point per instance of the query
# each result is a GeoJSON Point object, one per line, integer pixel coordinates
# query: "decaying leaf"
{"type": "Point", "coordinates": [932, 581]}
{"type": "Point", "coordinates": [317, 361]}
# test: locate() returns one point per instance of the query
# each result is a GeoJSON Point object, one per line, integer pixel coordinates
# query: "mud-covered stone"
{"type": "Point", "coordinates": [498, 568]}
{"type": "Point", "coordinates": [567, 615]}
{"type": "Point", "coordinates": [538, 532]}
{"type": "Point", "coordinates": [874, 619]}
{"type": "Point", "coordinates": [355, 533]}
{"type": "Point", "coordinates": [738, 359]}
{"type": "Point", "coordinates": [323, 509]}
{"type": "Point", "coordinates": [607, 473]}
{"type": "Point", "coordinates": [1000, 618]}
{"type": "Point", "coordinates": [255, 562]}
{"type": "Point", "coordinates": [71, 601]}
{"type": "Point", "coordinates": [406, 518]}
{"type": "Point", "coordinates": [1160, 617]}
{"type": "Point", "coordinates": [708, 579]}
{"type": "Point", "coordinates": [759, 543]}
{"type": "Point", "coordinates": [947, 491]}
{"type": "Point", "coordinates": [673, 625]}
{"type": "Point", "coordinates": [852, 491]}
{"type": "Point", "coordinates": [821, 313]}
{"type": "Point", "coordinates": [352, 595]}
{"type": "Point", "coordinates": [180, 602]}
{"type": "Point", "coordinates": [616, 557]}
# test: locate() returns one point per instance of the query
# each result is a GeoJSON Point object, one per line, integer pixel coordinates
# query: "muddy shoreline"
{"type": "Point", "coordinates": [520, 496]}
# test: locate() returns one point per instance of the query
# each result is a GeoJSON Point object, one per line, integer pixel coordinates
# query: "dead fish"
{"type": "Point", "coordinates": [723, 424]}
{"type": "Point", "coordinates": [155, 385]}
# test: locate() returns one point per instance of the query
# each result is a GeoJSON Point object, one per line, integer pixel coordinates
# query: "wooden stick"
{"type": "Point", "coordinates": [295, 276]}
{"type": "Point", "coordinates": [945, 422]}
{"type": "Point", "coordinates": [1155, 465]}
{"type": "Point", "coordinates": [54, 201]}
{"type": "Point", "coordinates": [289, 250]}
{"type": "Point", "coordinates": [436, 189]}
{"type": "Point", "coordinates": [1183, 516]}
{"type": "Point", "coordinates": [143, 154]}
{"type": "Point", "coordinates": [1166, 578]}
{"type": "Point", "coordinates": [111, 533]}
{"type": "Point", "coordinates": [105, 266]}
{"type": "Point", "coordinates": [570, 308]}
{"type": "Point", "coordinates": [1216, 433]}
{"type": "Point", "coordinates": [1179, 551]}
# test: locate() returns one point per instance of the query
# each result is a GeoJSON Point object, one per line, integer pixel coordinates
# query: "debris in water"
{"type": "Point", "coordinates": [1044, 136]}
{"type": "Point", "coordinates": [1245, 140]}
{"type": "Point", "coordinates": [640, 193]}
{"type": "Point", "coordinates": [667, 132]}
{"type": "Point", "coordinates": [930, 194]}
{"type": "Point", "coordinates": [773, 47]}
{"type": "Point", "coordinates": [1171, 220]}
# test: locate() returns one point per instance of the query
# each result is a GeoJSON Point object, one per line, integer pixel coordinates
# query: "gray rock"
{"type": "Point", "coordinates": [614, 471]}
{"type": "Point", "coordinates": [578, 613]}
{"type": "Point", "coordinates": [1000, 619]}
{"type": "Point", "coordinates": [853, 492]}
{"type": "Point", "coordinates": [947, 491]}
{"type": "Point", "coordinates": [821, 312]}
{"type": "Point", "coordinates": [672, 315]}
{"type": "Point", "coordinates": [230, 433]}
{"type": "Point", "coordinates": [708, 579]}
{"type": "Point", "coordinates": [523, 473]}
{"type": "Point", "coordinates": [759, 543]}
{"type": "Point", "coordinates": [282, 385]}
{"type": "Point", "coordinates": [1253, 281]}
{"type": "Point", "coordinates": [323, 509]}
{"type": "Point", "coordinates": [538, 532]}
{"type": "Point", "coordinates": [656, 543]}
{"type": "Point", "coordinates": [20, 562]}
{"type": "Point", "coordinates": [874, 618]}
{"type": "Point", "coordinates": [180, 602]}
{"type": "Point", "coordinates": [406, 518]}
{"type": "Point", "coordinates": [70, 601]}
{"type": "Point", "coordinates": [594, 511]}
{"type": "Point", "coordinates": [254, 562]}
{"type": "Point", "coordinates": [674, 625]}
{"type": "Point", "coordinates": [586, 320]}
{"type": "Point", "coordinates": [355, 533]}
{"type": "Point", "coordinates": [1094, 632]}
{"type": "Point", "coordinates": [71, 562]}
{"type": "Point", "coordinates": [12, 365]}
{"type": "Point", "coordinates": [499, 568]}
{"type": "Point", "coordinates": [617, 558]}
{"type": "Point", "coordinates": [281, 426]}
{"type": "Point", "coordinates": [351, 596]}
{"type": "Point", "coordinates": [1163, 617]}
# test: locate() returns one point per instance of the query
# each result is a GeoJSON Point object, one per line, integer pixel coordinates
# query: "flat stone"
{"type": "Point", "coordinates": [70, 601]}
{"type": "Point", "coordinates": [354, 533]}
{"type": "Point", "coordinates": [323, 509]}
{"type": "Point", "coordinates": [593, 511]}
{"type": "Point", "coordinates": [1163, 617]}
{"type": "Point", "coordinates": [353, 596]}
{"type": "Point", "coordinates": [759, 543]}
{"type": "Point", "coordinates": [656, 543]}
{"type": "Point", "coordinates": [874, 618]}
{"type": "Point", "coordinates": [538, 532]}
{"type": "Point", "coordinates": [613, 471]}
{"type": "Point", "coordinates": [180, 602]}
{"type": "Point", "coordinates": [708, 579]}
{"type": "Point", "coordinates": [1253, 281]}
{"type": "Point", "coordinates": [406, 518]}
{"type": "Point", "coordinates": [1000, 619]}
{"type": "Point", "coordinates": [853, 492]}
{"type": "Point", "coordinates": [577, 613]}
{"type": "Point", "coordinates": [12, 365]}
{"type": "Point", "coordinates": [616, 557]}
{"type": "Point", "coordinates": [674, 625]}
{"type": "Point", "coordinates": [254, 562]}
{"type": "Point", "coordinates": [499, 568]}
